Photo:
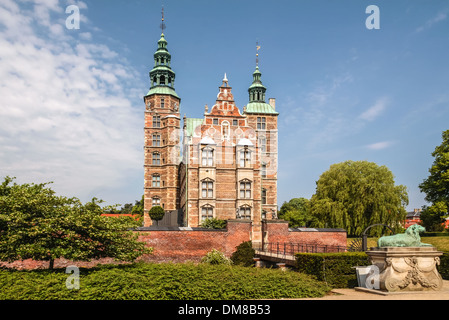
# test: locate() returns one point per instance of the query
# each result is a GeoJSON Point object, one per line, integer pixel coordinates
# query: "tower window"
{"type": "Point", "coordinates": [156, 121]}
{"type": "Point", "coordinates": [156, 180]}
{"type": "Point", "coordinates": [263, 171]}
{"type": "Point", "coordinates": [263, 144]}
{"type": "Point", "coordinates": [156, 202]}
{"type": "Point", "coordinates": [264, 196]}
{"type": "Point", "coordinates": [261, 123]}
{"type": "Point", "coordinates": [156, 140]}
{"type": "Point", "coordinates": [162, 103]}
{"type": "Point", "coordinates": [156, 159]}
{"type": "Point", "coordinates": [245, 189]}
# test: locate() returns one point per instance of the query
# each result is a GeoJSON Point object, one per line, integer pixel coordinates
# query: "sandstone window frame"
{"type": "Point", "coordinates": [156, 180]}
{"type": "Point", "coordinates": [207, 212]}
{"type": "Point", "coordinates": [207, 188]}
{"type": "Point", "coordinates": [156, 139]}
{"type": "Point", "coordinates": [245, 212]}
{"type": "Point", "coordinates": [156, 121]}
{"type": "Point", "coordinates": [207, 156]}
{"type": "Point", "coordinates": [245, 189]}
{"type": "Point", "coordinates": [245, 160]}
{"type": "Point", "coordinates": [156, 158]}
{"type": "Point", "coordinates": [261, 123]}
{"type": "Point", "coordinates": [156, 202]}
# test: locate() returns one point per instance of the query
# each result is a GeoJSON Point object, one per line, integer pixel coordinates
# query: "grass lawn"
{"type": "Point", "coordinates": [161, 282]}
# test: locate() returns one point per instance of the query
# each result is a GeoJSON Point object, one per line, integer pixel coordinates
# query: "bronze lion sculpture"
{"type": "Point", "coordinates": [410, 238]}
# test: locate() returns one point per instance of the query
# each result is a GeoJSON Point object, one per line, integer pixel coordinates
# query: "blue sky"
{"type": "Point", "coordinates": [71, 107]}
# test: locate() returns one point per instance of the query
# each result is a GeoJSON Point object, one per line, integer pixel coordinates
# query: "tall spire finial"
{"type": "Point", "coordinates": [163, 27]}
{"type": "Point", "coordinates": [257, 53]}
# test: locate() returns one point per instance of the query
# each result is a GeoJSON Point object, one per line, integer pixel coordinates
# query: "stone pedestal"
{"type": "Point", "coordinates": [407, 268]}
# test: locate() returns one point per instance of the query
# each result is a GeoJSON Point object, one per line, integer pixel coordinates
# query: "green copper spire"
{"type": "Point", "coordinates": [257, 90]}
{"type": "Point", "coordinates": [162, 77]}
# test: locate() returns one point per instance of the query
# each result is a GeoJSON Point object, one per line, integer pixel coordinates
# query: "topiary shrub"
{"type": "Point", "coordinates": [157, 213]}
{"type": "Point", "coordinates": [244, 254]}
{"type": "Point", "coordinates": [216, 257]}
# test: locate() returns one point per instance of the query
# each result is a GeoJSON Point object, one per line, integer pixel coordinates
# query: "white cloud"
{"type": "Point", "coordinates": [67, 112]}
{"type": "Point", "coordinates": [375, 111]}
{"type": "Point", "coordinates": [440, 16]}
{"type": "Point", "coordinates": [380, 145]}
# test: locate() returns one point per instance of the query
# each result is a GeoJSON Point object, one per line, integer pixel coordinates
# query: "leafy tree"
{"type": "Point", "coordinates": [37, 224]}
{"type": "Point", "coordinates": [138, 207]}
{"type": "Point", "coordinates": [436, 187]}
{"type": "Point", "coordinates": [157, 213]}
{"type": "Point", "coordinates": [296, 212]}
{"type": "Point", "coordinates": [355, 194]}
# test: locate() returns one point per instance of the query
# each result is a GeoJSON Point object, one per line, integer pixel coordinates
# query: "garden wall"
{"type": "Point", "coordinates": [191, 244]}
{"type": "Point", "coordinates": [275, 231]}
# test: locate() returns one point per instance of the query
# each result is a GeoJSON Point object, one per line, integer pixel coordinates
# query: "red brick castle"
{"type": "Point", "coordinates": [228, 166]}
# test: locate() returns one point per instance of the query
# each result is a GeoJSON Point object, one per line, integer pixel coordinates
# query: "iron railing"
{"type": "Point", "coordinates": [289, 248]}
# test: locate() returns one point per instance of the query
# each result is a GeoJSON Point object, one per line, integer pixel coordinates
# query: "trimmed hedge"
{"type": "Point", "coordinates": [161, 282]}
{"type": "Point", "coordinates": [443, 268]}
{"type": "Point", "coordinates": [336, 269]}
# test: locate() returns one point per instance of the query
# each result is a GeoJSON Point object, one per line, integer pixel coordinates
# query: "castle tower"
{"type": "Point", "coordinates": [162, 136]}
{"type": "Point", "coordinates": [262, 117]}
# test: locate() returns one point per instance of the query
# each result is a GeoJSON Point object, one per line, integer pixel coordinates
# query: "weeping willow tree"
{"type": "Point", "coordinates": [356, 194]}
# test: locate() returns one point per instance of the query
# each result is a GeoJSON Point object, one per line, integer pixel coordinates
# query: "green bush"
{"type": "Point", "coordinates": [216, 257]}
{"type": "Point", "coordinates": [336, 269]}
{"type": "Point", "coordinates": [213, 223]}
{"type": "Point", "coordinates": [244, 254]}
{"type": "Point", "coordinates": [443, 268]}
{"type": "Point", "coordinates": [156, 213]}
{"type": "Point", "coordinates": [161, 282]}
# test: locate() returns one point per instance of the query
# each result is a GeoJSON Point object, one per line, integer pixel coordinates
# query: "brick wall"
{"type": "Point", "coordinates": [278, 231]}
{"type": "Point", "coordinates": [191, 244]}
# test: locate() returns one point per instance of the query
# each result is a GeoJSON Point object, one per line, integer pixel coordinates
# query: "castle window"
{"type": "Point", "coordinates": [264, 196]}
{"type": "Point", "coordinates": [162, 103]}
{"type": "Point", "coordinates": [156, 140]}
{"type": "Point", "coordinates": [156, 121]}
{"type": "Point", "coordinates": [261, 123]}
{"type": "Point", "coordinates": [263, 171]}
{"type": "Point", "coordinates": [207, 212]}
{"type": "Point", "coordinates": [263, 144]}
{"type": "Point", "coordinates": [245, 189]}
{"type": "Point", "coordinates": [156, 180]}
{"type": "Point", "coordinates": [245, 212]}
{"type": "Point", "coordinates": [245, 158]}
{"type": "Point", "coordinates": [156, 158]}
{"type": "Point", "coordinates": [207, 189]}
{"type": "Point", "coordinates": [207, 157]}
{"type": "Point", "coordinates": [156, 202]}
